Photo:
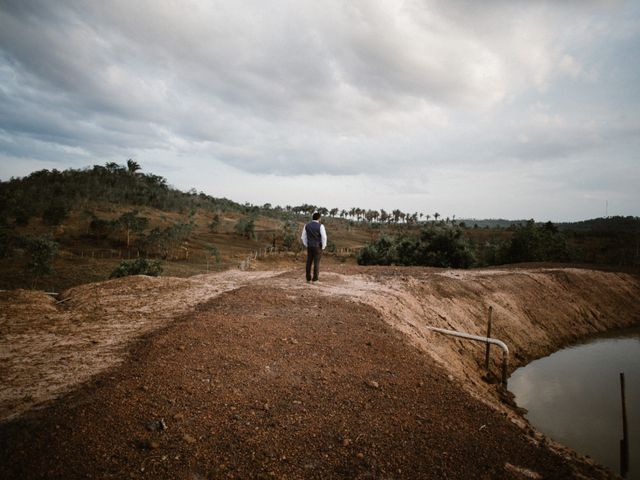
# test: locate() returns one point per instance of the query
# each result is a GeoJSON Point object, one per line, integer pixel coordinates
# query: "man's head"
{"type": "Point", "coordinates": [316, 216]}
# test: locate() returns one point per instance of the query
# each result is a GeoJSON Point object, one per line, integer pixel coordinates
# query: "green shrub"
{"type": "Point", "coordinates": [7, 241]}
{"type": "Point", "coordinates": [435, 247]}
{"type": "Point", "coordinates": [55, 214]}
{"type": "Point", "coordinates": [139, 266]}
{"type": "Point", "coordinates": [444, 247]}
{"type": "Point", "coordinates": [290, 235]}
{"type": "Point", "coordinates": [376, 253]}
{"type": "Point", "coordinates": [215, 223]}
{"type": "Point", "coordinates": [213, 251]}
{"type": "Point", "coordinates": [42, 251]}
{"type": "Point", "coordinates": [245, 227]}
{"type": "Point", "coordinates": [536, 243]}
{"type": "Point", "coordinates": [100, 228]}
{"type": "Point", "coordinates": [22, 217]}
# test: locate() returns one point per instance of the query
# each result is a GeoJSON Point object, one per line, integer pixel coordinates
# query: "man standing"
{"type": "Point", "coordinates": [314, 237]}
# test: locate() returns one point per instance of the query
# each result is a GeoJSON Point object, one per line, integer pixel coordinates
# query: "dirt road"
{"type": "Point", "coordinates": [259, 375]}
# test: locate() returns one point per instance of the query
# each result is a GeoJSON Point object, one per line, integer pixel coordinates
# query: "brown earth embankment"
{"type": "Point", "coordinates": [364, 329]}
{"type": "Point", "coordinates": [535, 311]}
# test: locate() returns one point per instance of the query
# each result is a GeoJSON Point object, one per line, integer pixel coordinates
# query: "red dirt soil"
{"type": "Point", "coordinates": [251, 375]}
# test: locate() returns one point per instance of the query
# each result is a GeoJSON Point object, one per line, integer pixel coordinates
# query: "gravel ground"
{"type": "Point", "coordinates": [264, 382]}
{"type": "Point", "coordinates": [258, 375]}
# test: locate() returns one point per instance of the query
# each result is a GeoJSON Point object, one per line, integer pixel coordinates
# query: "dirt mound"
{"type": "Point", "coordinates": [535, 312]}
{"type": "Point", "coordinates": [265, 383]}
{"type": "Point", "coordinates": [17, 304]}
{"type": "Point", "coordinates": [47, 347]}
{"type": "Point", "coordinates": [302, 333]}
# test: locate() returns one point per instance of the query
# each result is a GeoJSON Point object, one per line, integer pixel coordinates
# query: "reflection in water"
{"type": "Point", "coordinates": [573, 396]}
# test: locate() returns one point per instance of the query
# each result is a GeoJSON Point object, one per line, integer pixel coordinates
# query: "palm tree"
{"type": "Point", "coordinates": [132, 166]}
{"type": "Point", "coordinates": [435, 216]}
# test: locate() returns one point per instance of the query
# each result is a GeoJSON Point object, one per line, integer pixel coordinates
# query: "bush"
{"type": "Point", "coordinates": [100, 228]}
{"type": "Point", "coordinates": [7, 241]}
{"type": "Point", "coordinates": [55, 214]}
{"type": "Point", "coordinates": [376, 253]}
{"type": "Point", "coordinates": [139, 266]}
{"type": "Point", "coordinates": [290, 235]}
{"type": "Point", "coordinates": [215, 223]}
{"type": "Point", "coordinates": [42, 251]}
{"type": "Point", "coordinates": [536, 243]}
{"type": "Point", "coordinates": [444, 248]}
{"type": "Point", "coordinates": [245, 227]}
{"type": "Point", "coordinates": [22, 217]}
{"type": "Point", "coordinates": [213, 251]}
{"type": "Point", "coordinates": [435, 247]}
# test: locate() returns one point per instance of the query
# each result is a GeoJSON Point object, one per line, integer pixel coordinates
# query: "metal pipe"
{"type": "Point", "coordinates": [46, 293]}
{"type": "Point", "coordinates": [478, 338]}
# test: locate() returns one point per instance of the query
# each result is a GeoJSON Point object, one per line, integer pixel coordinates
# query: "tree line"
{"type": "Point", "coordinates": [445, 245]}
{"type": "Point", "coordinates": [358, 214]}
{"type": "Point", "coordinates": [50, 194]}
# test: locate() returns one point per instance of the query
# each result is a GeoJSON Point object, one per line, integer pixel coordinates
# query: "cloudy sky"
{"type": "Point", "coordinates": [485, 109]}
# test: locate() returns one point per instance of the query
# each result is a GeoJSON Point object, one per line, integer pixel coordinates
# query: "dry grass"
{"type": "Point", "coordinates": [82, 258]}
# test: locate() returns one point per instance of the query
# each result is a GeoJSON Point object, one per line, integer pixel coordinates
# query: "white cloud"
{"type": "Point", "coordinates": [570, 66]}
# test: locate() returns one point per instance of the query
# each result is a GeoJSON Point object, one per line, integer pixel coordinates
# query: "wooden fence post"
{"type": "Point", "coordinates": [624, 443]}
{"type": "Point", "coordinates": [486, 355]}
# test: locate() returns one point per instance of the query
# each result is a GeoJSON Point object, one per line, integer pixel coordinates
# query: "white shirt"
{"type": "Point", "coordinates": [323, 235]}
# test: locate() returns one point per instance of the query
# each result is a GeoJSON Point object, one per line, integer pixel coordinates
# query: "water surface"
{"type": "Point", "coordinates": [573, 396]}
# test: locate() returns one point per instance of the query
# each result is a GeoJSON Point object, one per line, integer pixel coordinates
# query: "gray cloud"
{"type": "Point", "coordinates": [392, 90]}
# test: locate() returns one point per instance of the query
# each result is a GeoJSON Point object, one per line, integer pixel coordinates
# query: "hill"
{"type": "Point", "coordinates": [99, 216]}
{"type": "Point", "coordinates": [65, 228]}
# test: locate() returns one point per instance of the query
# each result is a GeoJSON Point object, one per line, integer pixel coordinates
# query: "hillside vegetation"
{"type": "Point", "coordinates": [63, 228]}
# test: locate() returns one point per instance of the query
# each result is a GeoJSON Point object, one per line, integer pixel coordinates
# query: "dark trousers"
{"type": "Point", "coordinates": [313, 255]}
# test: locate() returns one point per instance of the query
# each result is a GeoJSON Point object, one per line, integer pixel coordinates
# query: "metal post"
{"type": "Point", "coordinates": [624, 443]}
{"type": "Point", "coordinates": [486, 355]}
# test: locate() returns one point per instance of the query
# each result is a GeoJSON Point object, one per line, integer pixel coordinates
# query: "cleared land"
{"type": "Point", "coordinates": [257, 374]}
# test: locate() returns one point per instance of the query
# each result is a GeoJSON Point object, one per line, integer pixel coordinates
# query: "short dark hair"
{"type": "Point", "coordinates": [316, 215]}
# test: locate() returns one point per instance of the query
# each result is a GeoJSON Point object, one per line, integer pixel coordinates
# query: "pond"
{"type": "Point", "coordinates": [574, 397]}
